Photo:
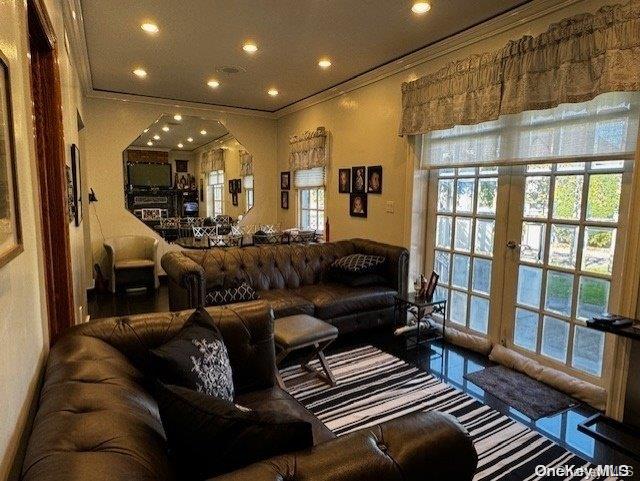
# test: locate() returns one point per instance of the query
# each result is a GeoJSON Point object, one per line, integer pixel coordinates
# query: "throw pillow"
{"type": "Point", "coordinates": [209, 436]}
{"type": "Point", "coordinates": [196, 358]}
{"type": "Point", "coordinates": [241, 293]}
{"type": "Point", "coordinates": [358, 263]}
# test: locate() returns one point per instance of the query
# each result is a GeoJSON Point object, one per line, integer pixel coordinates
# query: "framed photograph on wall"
{"type": "Point", "coordinates": [71, 205]}
{"type": "Point", "coordinates": [182, 166]}
{"type": "Point", "coordinates": [77, 183]}
{"type": "Point", "coordinates": [359, 179]}
{"type": "Point", "coordinates": [374, 179]}
{"type": "Point", "coordinates": [234, 199]}
{"type": "Point", "coordinates": [238, 187]}
{"type": "Point", "coordinates": [10, 228]}
{"type": "Point", "coordinates": [232, 186]}
{"type": "Point", "coordinates": [344, 181]}
{"type": "Point", "coordinates": [358, 205]}
{"type": "Point", "coordinates": [285, 180]}
{"type": "Point", "coordinates": [284, 199]}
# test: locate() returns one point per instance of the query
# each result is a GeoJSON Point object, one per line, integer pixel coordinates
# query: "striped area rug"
{"type": "Point", "coordinates": [373, 387]}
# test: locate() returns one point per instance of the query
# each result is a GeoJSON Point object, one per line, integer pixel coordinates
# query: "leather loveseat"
{"type": "Point", "coordinates": [98, 421]}
{"type": "Point", "coordinates": [293, 279]}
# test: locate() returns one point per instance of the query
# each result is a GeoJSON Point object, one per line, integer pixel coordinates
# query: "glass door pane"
{"type": "Point", "coordinates": [566, 216]}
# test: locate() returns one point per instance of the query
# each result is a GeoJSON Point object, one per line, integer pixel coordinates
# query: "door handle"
{"type": "Point", "coordinates": [513, 245]}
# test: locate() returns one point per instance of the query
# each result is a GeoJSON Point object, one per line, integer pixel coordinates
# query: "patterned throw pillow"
{"type": "Point", "coordinates": [196, 358]}
{"type": "Point", "coordinates": [358, 263]}
{"type": "Point", "coordinates": [219, 297]}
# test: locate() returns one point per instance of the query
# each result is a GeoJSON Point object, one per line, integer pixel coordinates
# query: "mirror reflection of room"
{"type": "Point", "coordinates": [190, 180]}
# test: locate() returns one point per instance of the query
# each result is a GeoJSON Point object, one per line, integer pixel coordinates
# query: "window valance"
{"type": "Point", "coordinates": [309, 150]}
{"type": "Point", "coordinates": [246, 163]}
{"type": "Point", "coordinates": [212, 159]}
{"type": "Point", "coordinates": [575, 60]}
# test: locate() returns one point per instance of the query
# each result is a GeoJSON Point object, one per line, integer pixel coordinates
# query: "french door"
{"type": "Point", "coordinates": [526, 254]}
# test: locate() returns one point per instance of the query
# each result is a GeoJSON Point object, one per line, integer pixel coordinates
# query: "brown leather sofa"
{"type": "Point", "coordinates": [98, 421]}
{"type": "Point", "coordinates": [294, 279]}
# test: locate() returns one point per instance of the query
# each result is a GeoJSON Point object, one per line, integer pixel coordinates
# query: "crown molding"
{"type": "Point", "coordinates": [483, 31]}
{"type": "Point", "coordinates": [495, 26]}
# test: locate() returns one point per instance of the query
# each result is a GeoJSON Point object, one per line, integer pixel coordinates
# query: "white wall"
{"type": "Point", "coordinates": [363, 126]}
{"type": "Point", "coordinates": [112, 125]}
{"type": "Point", "coordinates": [23, 320]}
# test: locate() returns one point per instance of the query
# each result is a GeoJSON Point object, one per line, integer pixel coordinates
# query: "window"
{"type": "Point", "coordinates": [215, 201]}
{"type": "Point", "coordinates": [312, 209]}
{"type": "Point", "coordinates": [537, 199]}
{"type": "Point", "coordinates": [248, 191]}
{"type": "Point", "coordinates": [310, 185]}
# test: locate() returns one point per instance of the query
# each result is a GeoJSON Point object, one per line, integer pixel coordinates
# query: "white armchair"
{"type": "Point", "coordinates": [132, 258]}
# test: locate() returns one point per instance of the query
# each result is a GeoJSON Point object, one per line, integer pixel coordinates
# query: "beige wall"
{"type": "Point", "coordinates": [363, 126]}
{"type": "Point", "coordinates": [23, 322]}
{"type": "Point", "coordinates": [112, 125]}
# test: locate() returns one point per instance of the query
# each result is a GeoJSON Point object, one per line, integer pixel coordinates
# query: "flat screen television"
{"type": "Point", "coordinates": [149, 175]}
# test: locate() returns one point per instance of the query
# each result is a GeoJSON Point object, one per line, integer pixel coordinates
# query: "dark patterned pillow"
{"type": "Point", "coordinates": [196, 358]}
{"type": "Point", "coordinates": [219, 297]}
{"type": "Point", "coordinates": [358, 263]}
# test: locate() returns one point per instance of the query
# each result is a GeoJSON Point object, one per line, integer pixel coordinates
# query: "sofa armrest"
{"type": "Point", "coordinates": [397, 266]}
{"type": "Point", "coordinates": [418, 447]}
{"type": "Point", "coordinates": [186, 274]}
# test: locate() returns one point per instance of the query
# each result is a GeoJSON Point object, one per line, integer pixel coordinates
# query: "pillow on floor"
{"type": "Point", "coordinates": [241, 293]}
{"type": "Point", "coordinates": [196, 358]}
{"type": "Point", "coordinates": [358, 263]}
{"type": "Point", "coordinates": [209, 436]}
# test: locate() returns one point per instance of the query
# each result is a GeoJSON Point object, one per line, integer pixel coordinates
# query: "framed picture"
{"type": "Point", "coordinates": [77, 183]}
{"type": "Point", "coordinates": [285, 180]}
{"type": "Point", "coordinates": [284, 199]}
{"type": "Point", "coordinates": [232, 186]}
{"type": "Point", "coordinates": [201, 189]}
{"type": "Point", "coordinates": [358, 205]}
{"type": "Point", "coordinates": [10, 228]}
{"type": "Point", "coordinates": [431, 287]}
{"type": "Point", "coordinates": [234, 199]}
{"type": "Point", "coordinates": [71, 206]}
{"type": "Point", "coordinates": [358, 179]}
{"type": "Point", "coordinates": [344, 181]}
{"type": "Point", "coordinates": [151, 214]}
{"type": "Point", "coordinates": [374, 179]}
{"type": "Point", "coordinates": [182, 165]}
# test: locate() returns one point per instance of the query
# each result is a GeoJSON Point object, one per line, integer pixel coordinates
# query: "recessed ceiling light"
{"type": "Point", "coordinates": [203, 132]}
{"type": "Point", "coordinates": [140, 72]}
{"type": "Point", "coordinates": [324, 63]}
{"type": "Point", "coordinates": [180, 145]}
{"type": "Point", "coordinates": [150, 27]}
{"type": "Point", "coordinates": [177, 117]}
{"type": "Point", "coordinates": [156, 137]}
{"type": "Point", "coordinates": [421, 7]}
{"type": "Point", "coordinates": [273, 92]}
{"type": "Point", "coordinates": [190, 139]}
{"type": "Point", "coordinates": [165, 128]}
{"type": "Point", "coordinates": [213, 83]}
{"type": "Point", "coordinates": [250, 47]}
{"type": "Point", "coordinates": [150, 143]}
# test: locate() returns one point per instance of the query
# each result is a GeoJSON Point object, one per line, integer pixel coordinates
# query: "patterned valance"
{"type": "Point", "coordinates": [246, 163]}
{"type": "Point", "coordinates": [309, 150]}
{"type": "Point", "coordinates": [211, 159]}
{"type": "Point", "coordinates": [575, 60]}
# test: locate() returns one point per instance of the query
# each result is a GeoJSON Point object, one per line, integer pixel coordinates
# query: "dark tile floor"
{"type": "Point", "coordinates": [450, 366]}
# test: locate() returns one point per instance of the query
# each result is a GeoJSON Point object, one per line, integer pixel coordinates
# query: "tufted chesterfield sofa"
{"type": "Point", "coordinates": [293, 279]}
{"type": "Point", "coordinates": [98, 421]}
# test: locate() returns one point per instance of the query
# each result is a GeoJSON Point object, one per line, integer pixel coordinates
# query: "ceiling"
{"type": "Point", "coordinates": [179, 132]}
{"type": "Point", "coordinates": [198, 37]}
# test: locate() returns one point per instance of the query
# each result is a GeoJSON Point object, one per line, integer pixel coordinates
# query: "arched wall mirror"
{"type": "Point", "coordinates": [184, 172]}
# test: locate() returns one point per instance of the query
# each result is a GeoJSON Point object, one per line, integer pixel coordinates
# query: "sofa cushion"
{"type": "Point", "coordinates": [134, 264]}
{"type": "Point", "coordinates": [278, 400]}
{"type": "Point", "coordinates": [208, 436]}
{"type": "Point", "coordinates": [285, 303]}
{"type": "Point", "coordinates": [335, 300]}
{"type": "Point", "coordinates": [196, 358]}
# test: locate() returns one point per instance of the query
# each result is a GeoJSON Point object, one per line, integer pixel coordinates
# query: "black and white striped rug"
{"type": "Point", "coordinates": [373, 387]}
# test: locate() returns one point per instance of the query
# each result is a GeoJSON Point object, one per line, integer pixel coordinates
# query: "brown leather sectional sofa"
{"type": "Point", "coordinates": [294, 279]}
{"type": "Point", "coordinates": [98, 421]}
